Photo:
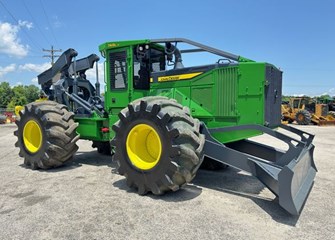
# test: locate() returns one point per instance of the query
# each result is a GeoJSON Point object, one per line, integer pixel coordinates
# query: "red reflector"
{"type": "Point", "coordinates": [105, 130]}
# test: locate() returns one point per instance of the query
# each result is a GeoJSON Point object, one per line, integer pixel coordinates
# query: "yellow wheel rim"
{"type": "Point", "coordinates": [32, 136]}
{"type": "Point", "coordinates": [144, 146]}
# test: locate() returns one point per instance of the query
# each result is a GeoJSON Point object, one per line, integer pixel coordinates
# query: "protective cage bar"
{"type": "Point", "coordinates": [200, 46]}
{"type": "Point", "coordinates": [289, 175]}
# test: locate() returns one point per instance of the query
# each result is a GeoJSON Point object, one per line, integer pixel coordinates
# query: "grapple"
{"type": "Point", "coordinates": [289, 175]}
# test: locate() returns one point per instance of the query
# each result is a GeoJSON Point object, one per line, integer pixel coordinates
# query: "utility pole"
{"type": "Point", "coordinates": [52, 54]}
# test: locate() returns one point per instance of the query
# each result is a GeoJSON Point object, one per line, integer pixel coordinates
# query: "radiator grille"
{"type": "Point", "coordinates": [227, 91]}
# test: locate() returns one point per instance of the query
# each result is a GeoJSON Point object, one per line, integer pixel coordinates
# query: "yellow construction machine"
{"type": "Point", "coordinates": [306, 111]}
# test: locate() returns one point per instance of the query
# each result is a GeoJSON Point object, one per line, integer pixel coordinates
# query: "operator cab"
{"type": "Point", "coordinates": [155, 62]}
{"type": "Point", "coordinates": [147, 59]}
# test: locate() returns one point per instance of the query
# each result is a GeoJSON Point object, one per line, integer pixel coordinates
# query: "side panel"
{"type": "Point", "coordinates": [202, 99]}
{"type": "Point", "coordinates": [273, 93]}
{"type": "Point", "coordinates": [224, 96]}
{"type": "Point", "coordinates": [250, 102]}
{"type": "Point", "coordinates": [238, 96]}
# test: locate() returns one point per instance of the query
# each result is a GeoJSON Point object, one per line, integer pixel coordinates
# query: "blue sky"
{"type": "Point", "coordinates": [296, 36]}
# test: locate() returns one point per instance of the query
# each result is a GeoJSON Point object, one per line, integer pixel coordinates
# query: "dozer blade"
{"type": "Point", "coordinates": [323, 121]}
{"type": "Point", "coordinates": [326, 123]}
{"type": "Point", "coordinates": [289, 175]}
{"type": "Point", "coordinates": [295, 181]}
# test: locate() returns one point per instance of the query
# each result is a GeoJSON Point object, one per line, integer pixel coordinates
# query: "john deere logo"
{"type": "Point", "coordinates": [178, 77]}
{"type": "Point", "coordinates": [169, 78]}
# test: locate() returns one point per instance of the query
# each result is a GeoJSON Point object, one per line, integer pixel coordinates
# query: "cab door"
{"type": "Point", "coordinates": [119, 73]}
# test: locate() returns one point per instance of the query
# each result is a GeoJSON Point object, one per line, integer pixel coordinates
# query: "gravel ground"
{"type": "Point", "coordinates": [87, 199]}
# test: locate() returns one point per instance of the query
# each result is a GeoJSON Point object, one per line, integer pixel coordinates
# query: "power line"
{"type": "Point", "coordinates": [32, 17]}
{"type": "Point", "coordinates": [17, 22]}
{"type": "Point", "coordinates": [46, 16]}
{"type": "Point", "coordinates": [52, 54]}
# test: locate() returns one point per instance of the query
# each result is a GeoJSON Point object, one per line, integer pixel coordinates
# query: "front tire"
{"type": "Point", "coordinates": [158, 145]}
{"type": "Point", "coordinates": [303, 117]}
{"type": "Point", "coordinates": [46, 135]}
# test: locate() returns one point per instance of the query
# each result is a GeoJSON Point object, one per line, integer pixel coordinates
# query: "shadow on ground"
{"type": "Point", "coordinates": [186, 193]}
{"type": "Point", "coordinates": [93, 158]}
{"type": "Point", "coordinates": [89, 158]}
{"type": "Point", "coordinates": [233, 181]}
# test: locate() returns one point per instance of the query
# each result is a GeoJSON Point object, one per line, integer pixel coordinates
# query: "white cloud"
{"type": "Point", "coordinates": [56, 22]}
{"type": "Point", "coordinates": [31, 67]}
{"type": "Point", "coordinates": [10, 43]}
{"type": "Point", "coordinates": [26, 24]}
{"type": "Point", "coordinates": [91, 75]}
{"type": "Point", "coordinates": [330, 92]}
{"type": "Point", "coordinates": [299, 95]}
{"type": "Point", "coordinates": [7, 69]}
{"type": "Point", "coordinates": [34, 80]}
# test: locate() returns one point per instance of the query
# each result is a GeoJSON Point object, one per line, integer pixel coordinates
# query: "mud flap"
{"type": "Point", "coordinates": [289, 175]}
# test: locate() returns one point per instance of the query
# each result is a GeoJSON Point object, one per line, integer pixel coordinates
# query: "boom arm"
{"type": "Point", "coordinates": [67, 67]}
{"type": "Point", "coordinates": [62, 63]}
{"type": "Point", "coordinates": [82, 65]}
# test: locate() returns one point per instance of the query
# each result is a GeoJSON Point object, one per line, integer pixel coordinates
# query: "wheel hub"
{"type": "Point", "coordinates": [144, 147]}
{"type": "Point", "coordinates": [32, 136]}
{"type": "Point", "coordinates": [301, 117]}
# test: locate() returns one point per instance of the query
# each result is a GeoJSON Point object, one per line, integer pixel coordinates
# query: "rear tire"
{"type": "Point", "coordinates": [303, 117]}
{"type": "Point", "coordinates": [158, 145]}
{"type": "Point", "coordinates": [46, 135]}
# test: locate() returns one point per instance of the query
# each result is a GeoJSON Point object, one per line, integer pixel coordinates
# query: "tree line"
{"type": "Point", "coordinates": [319, 99]}
{"type": "Point", "coordinates": [17, 95]}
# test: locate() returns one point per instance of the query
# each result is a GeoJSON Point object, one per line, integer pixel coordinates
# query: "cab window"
{"type": "Point", "coordinates": [118, 70]}
{"type": "Point", "coordinates": [146, 61]}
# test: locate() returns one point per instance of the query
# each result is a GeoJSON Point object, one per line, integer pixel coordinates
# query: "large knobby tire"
{"type": "Point", "coordinates": [303, 117]}
{"type": "Point", "coordinates": [46, 135]}
{"type": "Point", "coordinates": [158, 145]}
